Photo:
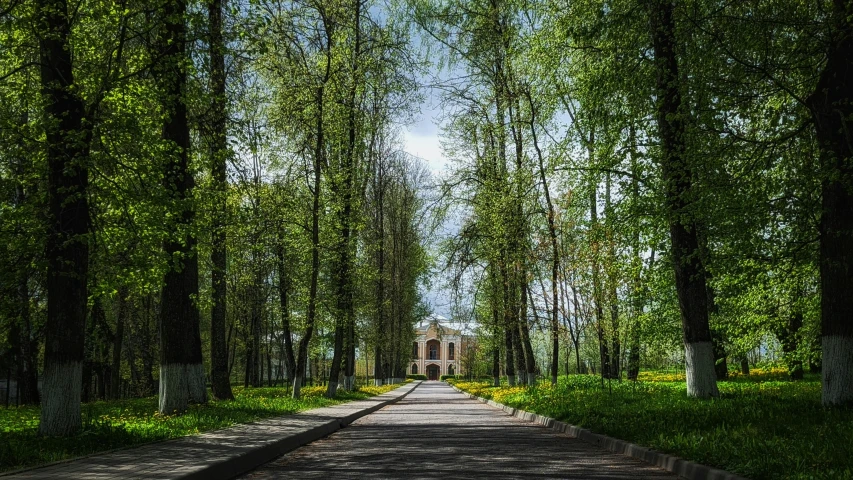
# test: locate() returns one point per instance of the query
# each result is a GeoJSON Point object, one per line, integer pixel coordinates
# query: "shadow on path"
{"type": "Point", "coordinates": [436, 432]}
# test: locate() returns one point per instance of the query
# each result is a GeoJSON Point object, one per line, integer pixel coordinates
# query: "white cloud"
{"type": "Point", "coordinates": [427, 147]}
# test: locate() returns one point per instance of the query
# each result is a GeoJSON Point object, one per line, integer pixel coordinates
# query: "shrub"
{"type": "Point", "coordinates": [417, 376]}
{"type": "Point", "coordinates": [448, 377]}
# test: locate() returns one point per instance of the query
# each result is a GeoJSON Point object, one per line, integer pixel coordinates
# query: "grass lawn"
{"type": "Point", "coordinates": [762, 426]}
{"type": "Point", "coordinates": [115, 424]}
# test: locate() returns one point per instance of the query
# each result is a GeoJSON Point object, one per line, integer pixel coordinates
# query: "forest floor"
{"type": "Point", "coordinates": [763, 426]}
{"type": "Point", "coordinates": [109, 425]}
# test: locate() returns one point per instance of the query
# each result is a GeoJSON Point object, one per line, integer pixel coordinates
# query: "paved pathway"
{"type": "Point", "coordinates": [218, 455]}
{"type": "Point", "coordinates": [436, 432]}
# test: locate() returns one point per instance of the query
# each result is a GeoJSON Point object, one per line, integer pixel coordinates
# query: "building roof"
{"type": "Point", "coordinates": [446, 325]}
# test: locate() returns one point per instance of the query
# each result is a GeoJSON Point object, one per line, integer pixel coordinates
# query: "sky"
{"type": "Point", "coordinates": [422, 139]}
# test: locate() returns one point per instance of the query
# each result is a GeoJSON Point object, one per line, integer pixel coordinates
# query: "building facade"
{"type": "Point", "coordinates": [436, 350]}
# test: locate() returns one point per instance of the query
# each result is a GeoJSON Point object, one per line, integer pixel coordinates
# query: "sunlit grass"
{"type": "Point", "coordinates": [122, 423]}
{"type": "Point", "coordinates": [763, 426]}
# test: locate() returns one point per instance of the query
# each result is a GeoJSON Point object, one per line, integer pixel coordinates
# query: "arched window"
{"type": "Point", "coordinates": [450, 369]}
{"type": "Point", "coordinates": [451, 351]}
{"type": "Point", "coordinates": [433, 351]}
{"type": "Point", "coordinates": [414, 369]}
{"type": "Point", "coordinates": [415, 350]}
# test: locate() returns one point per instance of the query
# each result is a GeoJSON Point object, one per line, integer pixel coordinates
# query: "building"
{"type": "Point", "coordinates": [436, 350]}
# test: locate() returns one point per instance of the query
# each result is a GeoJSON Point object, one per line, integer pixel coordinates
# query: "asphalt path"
{"type": "Point", "coordinates": [436, 432]}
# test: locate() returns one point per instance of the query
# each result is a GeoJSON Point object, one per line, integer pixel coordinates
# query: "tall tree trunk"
{"type": "Point", "coordinates": [284, 304]}
{"type": "Point", "coordinates": [637, 289]}
{"type": "Point", "coordinates": [255, 321]}
{"type": "Point", "coordinates": [831, 106]}
{"type": "Point", "coordinates": [524, 332]}
{"type": "Point", "coordinates": [790, 341]}
{"type": "Point", "coordinates": [302, 355]}
{"type": "Point", "coordinates": [603, 351]}
{"type": "Point", "coordinates": [68, 134]}
{"type": "Point", "coordinates": [555, 251]}
{"type": "Point", "coordinates": [220, 380]}
{"type": "Point", "coordinates": [337, 358]}
{"type": "Point", "coordinates": [378, 371]}
{"type": "Point", "coordinates": [349, 190]}
{"type": "Point", "coordinates": [520, 364]}
{"type": "Point", "coordinates": [576, 338]}
{"type": "Point", "coordinates": [181, 368]}
{"type": "Point", "coordinates": [496, 322]}
{"type": "Point", "coordinates": [509, 326]}
{"type": "Point", "coordinates": [27, 346]}
{"type": "Point", "coordinates": [118, 342]}
{"type": "Point", "coordinates": [690, 279]}
{"type": "Point", "coordinates": [612, 297]}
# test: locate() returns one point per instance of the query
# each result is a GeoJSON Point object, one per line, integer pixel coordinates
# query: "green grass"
{"type": "Point", "coordinates": [762, 426]}
{"type": "Point", "coordinates": [123, 423]}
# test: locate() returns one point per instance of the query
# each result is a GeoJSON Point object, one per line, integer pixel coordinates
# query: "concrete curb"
{"type": "Point", "coordinates": [679, 466]}
{"type": "Point", "coordinates": [248, 461]}
{"type": "Point", "coordinates": [236, 464]}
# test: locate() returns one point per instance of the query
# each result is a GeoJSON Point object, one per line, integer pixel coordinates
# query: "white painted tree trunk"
{"type": "Point", "coordinates": [701, 377]}
{"type": "Point", "coordinates": [196, 385]}
{"type": "Point", "coordinates": [349, 383]}
{"type": "Point", "coordinates": [60, 399]}
{"type": "Point", "coordinates": [297, 386]}
{"type": "Point", "coordinates": [837, 370]}
{"type": "Point", "coordinates": [181, 384]}
{"type": "Point", "coordinates": [522, 378]}
{"type": "Point", "coordinates": [332, 389]}
{"type": "Point", "coordinates": [497, 381]}
{"type": "Point", "coordinates": [378, 382]}
{"type": "Point", "coordinates": [553, 380]}
{"type": "Point", "coordinates": [510, 380]}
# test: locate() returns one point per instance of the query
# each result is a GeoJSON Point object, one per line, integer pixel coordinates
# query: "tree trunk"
{"type": "Point", "coordinates": [555, 251]}
{"type": "Point", "coordinates": [638, 290]}
{"type": "Point", "coordinates": [118, 342]}
{"type": "Point", "coordinates": [181, 368]}
{"type": "Point", "coordinates": [690, 280]}
{"type": "Point", "coordinates": [612, 297]}
{"type": "Point", "coordinates": [302, 355]}
{"type": "Point", "coordinates": [220, 380]}
{"type": "Point", "coordinates": [68, 135]}
{"type": "Point", "coordinates": [831, 106]}
{"type": "Point", "coordinates": [524, 332]}
{"type": "Point", "coordinates": [26, 346]}
{"type": "Point", "coordinates": [509, 326]}
{"type": "Point", "coordinates": [337, 359]}
{"type": "Point", "coordinates": [284, 304]}
{"type": "Point", "coordinates": [255, 322]}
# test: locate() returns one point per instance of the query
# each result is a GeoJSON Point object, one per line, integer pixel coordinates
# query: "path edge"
{"type": "Point", "coordinates": [250, 460]}
{"type": "Point", "coordinates": [239, 464]}
{"type": "Point", "coordinates": [679, 466]}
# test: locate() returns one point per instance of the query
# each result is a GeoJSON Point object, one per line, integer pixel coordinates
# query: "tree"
{"type": "Point", "coordinates": [690, 277]}
{"type": "Point", "coordinates": [68, 136]}
{"type": "Point", "coordinates": [220, 381]}
{"type": "Point", "coordinates": [831, 106]}
{"type": "Point", "coordinates": [182, 378]}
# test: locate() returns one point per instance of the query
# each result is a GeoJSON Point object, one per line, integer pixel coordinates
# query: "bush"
{"type": "Point", "coordinates": [449, 377]}
{"type": "Point", "coordinates": [417, 376]}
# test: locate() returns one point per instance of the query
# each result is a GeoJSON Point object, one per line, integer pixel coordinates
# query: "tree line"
{"type": "Point", "coordinates": [193, 192]}
{"type": "Point", "coordinates": [643, 178]}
